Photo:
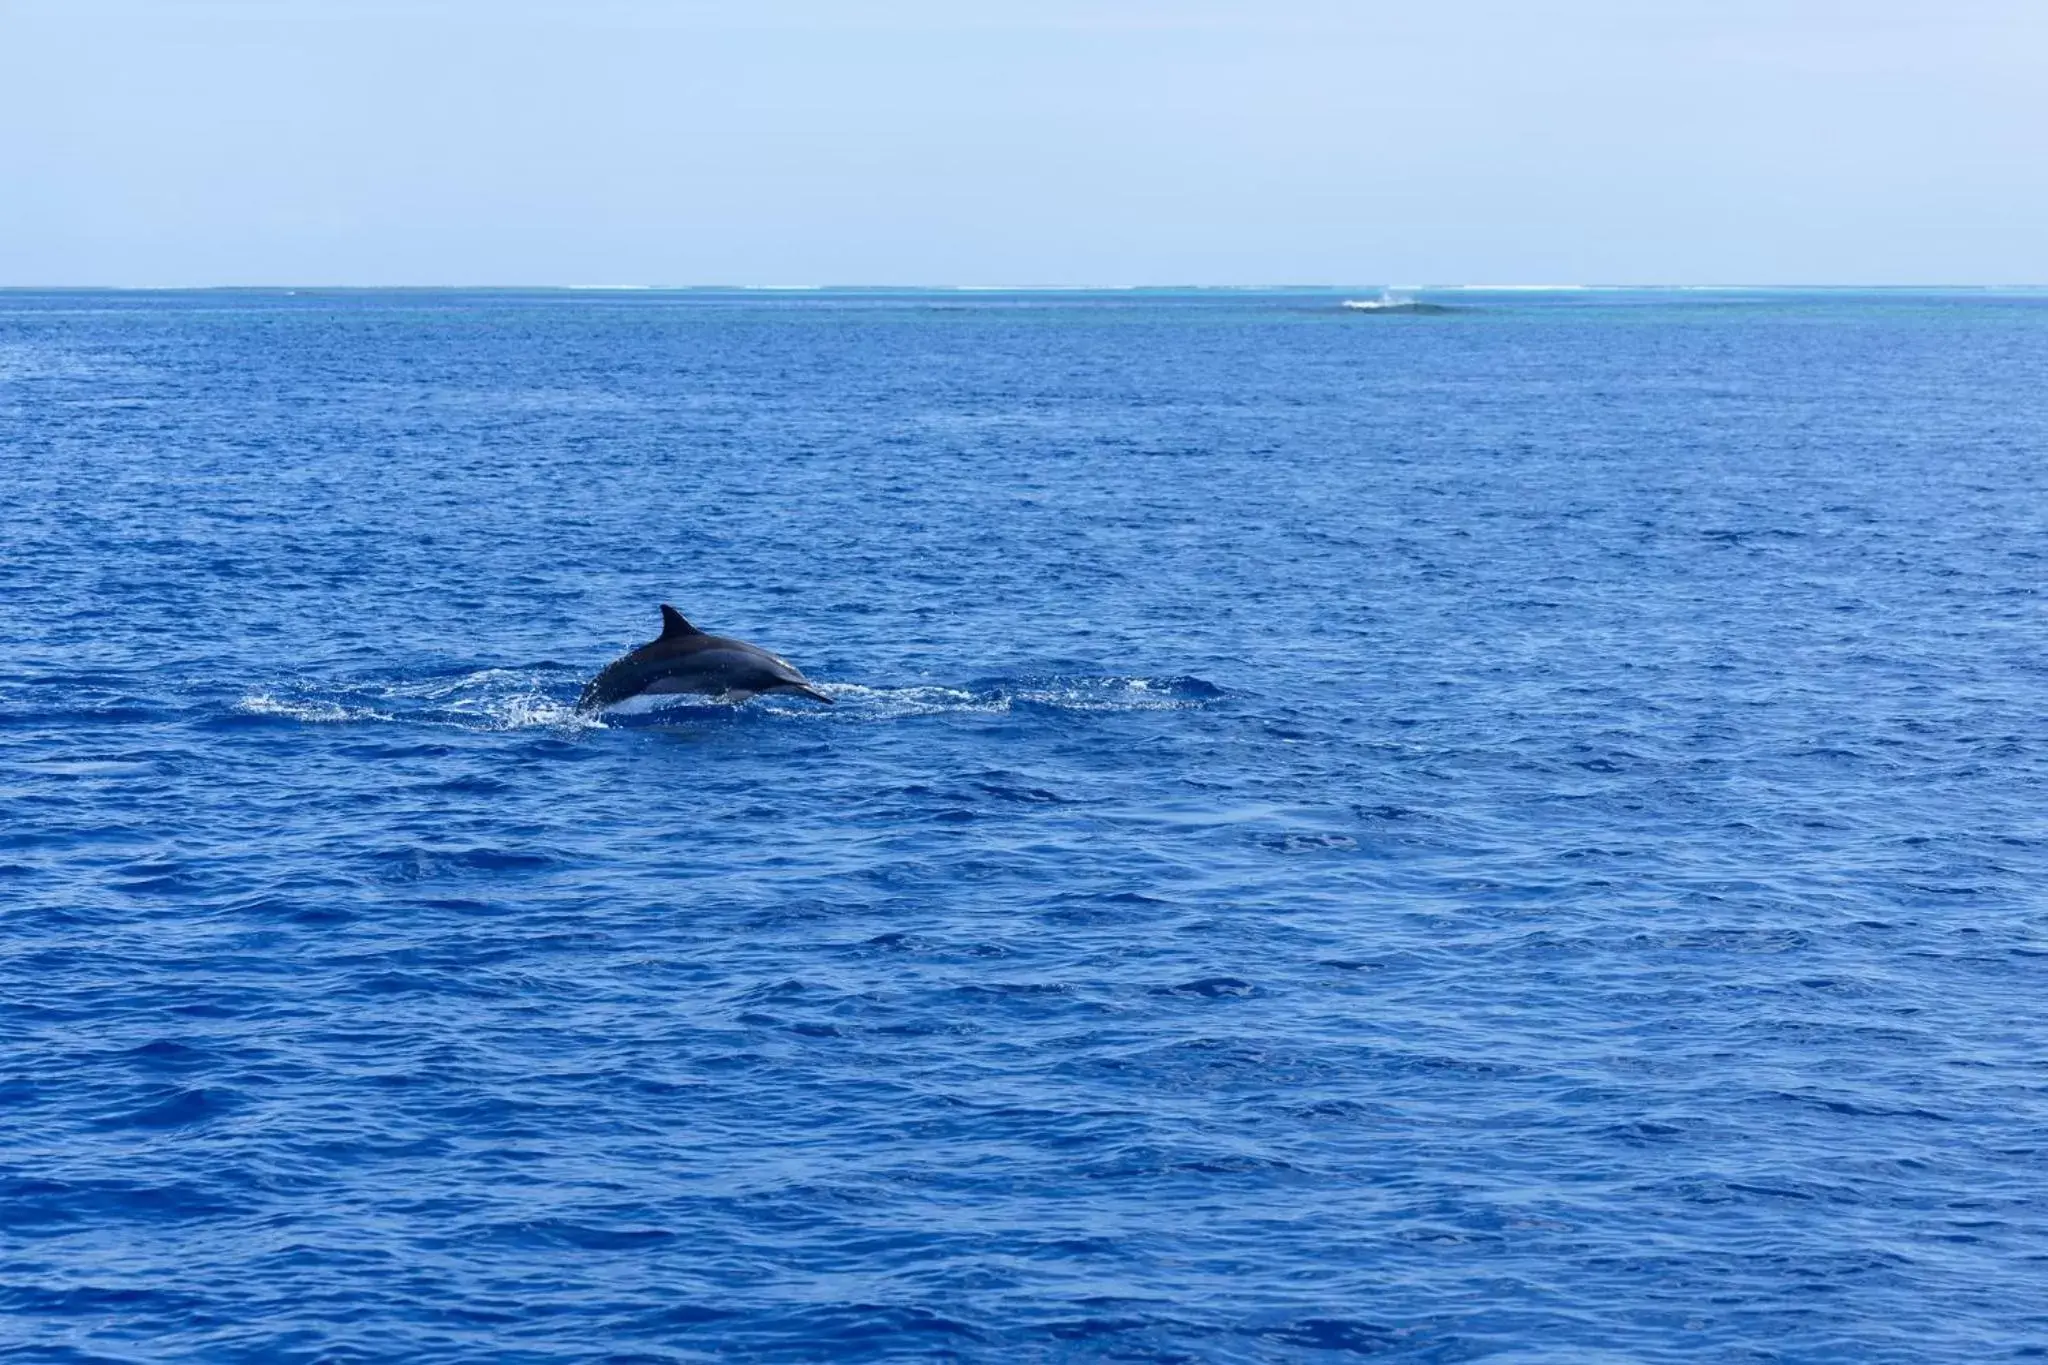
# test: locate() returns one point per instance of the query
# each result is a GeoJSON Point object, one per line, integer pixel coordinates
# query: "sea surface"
{"type": "Point", "coordinates": [1512, 834]}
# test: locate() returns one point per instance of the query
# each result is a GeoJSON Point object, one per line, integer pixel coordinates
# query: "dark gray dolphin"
{"type": "Point", "coordinates": [685, 659]}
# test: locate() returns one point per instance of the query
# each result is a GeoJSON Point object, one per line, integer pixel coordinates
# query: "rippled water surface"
{"type": "Point", "coordinates": [1510, 834]}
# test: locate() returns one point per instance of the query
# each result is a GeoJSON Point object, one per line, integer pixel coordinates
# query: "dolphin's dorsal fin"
{"type": "Point", "coordinates": [673, 626]}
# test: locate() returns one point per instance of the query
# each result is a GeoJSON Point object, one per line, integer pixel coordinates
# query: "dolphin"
{"type": "Point", "coordinates": [685, 659]}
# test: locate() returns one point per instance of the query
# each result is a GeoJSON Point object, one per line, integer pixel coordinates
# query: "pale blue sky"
{"type": "Point", "coordinates": [1033, 142]}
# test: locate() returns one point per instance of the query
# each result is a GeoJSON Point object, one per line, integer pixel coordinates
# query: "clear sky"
{"type": "Point", "coordinates": [1033, 142]}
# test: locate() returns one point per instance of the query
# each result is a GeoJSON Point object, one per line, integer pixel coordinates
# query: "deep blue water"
{"type": "Point", "coordinates": [1516, 835]}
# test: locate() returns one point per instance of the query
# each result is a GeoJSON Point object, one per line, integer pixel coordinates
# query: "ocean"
{"type": "Point", "coordinates": [1516, 833]}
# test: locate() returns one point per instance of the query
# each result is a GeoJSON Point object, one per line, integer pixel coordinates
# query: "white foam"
{"type": "Point", "coordinates": [488, 699]}
{"type": "Point", "coordinates": [1107, 694]}
{"type": "Point", "coordinates": [1064, 694]}
{"type": "Point", "coordinates": [891, 703]}
{"type": "Point", "coordinates": [310, 711]}
{"type": "Point", "coordinates": [533, 710]}
{"type": "Point", "coordinates": [520, 699]}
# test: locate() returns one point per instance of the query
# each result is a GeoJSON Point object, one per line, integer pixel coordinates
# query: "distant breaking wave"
{"type": "Point", "coordinates": [1393, 301]}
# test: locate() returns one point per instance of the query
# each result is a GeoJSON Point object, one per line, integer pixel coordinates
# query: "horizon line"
{"type": "Point", "coordinates": [1559, 287]}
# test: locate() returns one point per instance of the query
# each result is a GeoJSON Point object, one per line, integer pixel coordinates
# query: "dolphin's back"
{"type": "Point", "coordinates": [686, 660]}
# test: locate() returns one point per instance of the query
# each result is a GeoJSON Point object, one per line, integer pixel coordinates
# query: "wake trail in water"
{"type": "Point", "coordinates": [538, 696]}
{"type": "Point", "coordinates": [542, 697]}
